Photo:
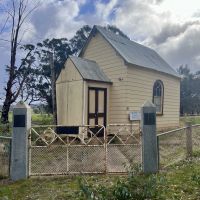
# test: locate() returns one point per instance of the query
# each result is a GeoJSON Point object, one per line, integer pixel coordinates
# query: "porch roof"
{"type": "Point", "coordinates": [89, 69]}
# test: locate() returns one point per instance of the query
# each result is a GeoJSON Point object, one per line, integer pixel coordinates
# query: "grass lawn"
{"type": "Point", "coordinates": [181, 181]}
{"type": "Point", "coordinates": [36, 119]}
{"type": "Point", "coordinates": [192, 119]}
{"type": "Point", "coordinates": [41, 119]}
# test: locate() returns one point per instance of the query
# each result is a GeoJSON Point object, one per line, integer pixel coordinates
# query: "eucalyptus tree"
{"type": "Point", "coordinates": [189, 91]}
{"type": "Point", "coordinates": [17, 13]}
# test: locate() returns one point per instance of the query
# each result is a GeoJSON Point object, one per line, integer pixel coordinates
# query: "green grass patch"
{"type": "Point", "coordinates": [42, 119]}
{"type": "Point", "coordinates": [180, 181]}
{"type": "Point", "coordinates": [192, 119]}
{"type": "Point", "coordinates": [44, 188]}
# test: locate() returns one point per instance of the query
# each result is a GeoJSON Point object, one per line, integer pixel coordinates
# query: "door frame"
{"type": "Point", "coordinates": [96, 89]}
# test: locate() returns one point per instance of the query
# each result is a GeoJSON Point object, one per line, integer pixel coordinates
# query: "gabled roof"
{"type": "Point", "coordinates": [134, 53]}
{"type": "Point", "coordinates": [89, 69]}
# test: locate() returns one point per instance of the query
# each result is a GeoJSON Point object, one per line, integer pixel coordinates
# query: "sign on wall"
{"type": "Point", "coordinates": [135, 116]}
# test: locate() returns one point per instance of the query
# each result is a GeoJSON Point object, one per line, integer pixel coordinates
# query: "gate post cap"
{"type": "Point", "coordinates": [148, 104]}
{"type": "Point", "coordinates": [21, 104]}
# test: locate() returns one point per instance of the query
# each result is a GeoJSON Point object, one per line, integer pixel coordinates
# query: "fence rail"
{"type": "Point", "coordinates": [178, 144]}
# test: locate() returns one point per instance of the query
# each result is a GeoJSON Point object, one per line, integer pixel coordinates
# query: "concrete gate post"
{"type": "Point", "coordinates": [19, 153]}
{"type": "Point", "coordinates": [149, 138]}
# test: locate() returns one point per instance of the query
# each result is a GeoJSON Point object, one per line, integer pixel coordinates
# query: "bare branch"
{"type": "Point", "coordinates": [17, 14]}
{"type": "Point", "coordinates": [28, 13]}
{"type": "Point", "coordinates": [2, 29]}
{"type": "Point", "coordinates": [18, 43]}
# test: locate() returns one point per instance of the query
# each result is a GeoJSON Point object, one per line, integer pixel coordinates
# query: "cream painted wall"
{"type": "Point", "coordinates": [139, 87]}
{"type": "Point", "coordinates": [69, 91]}
{"type": "Point", "coordinates": [113, 66]}
{"type": "Point", "coordinates": [132, 85]}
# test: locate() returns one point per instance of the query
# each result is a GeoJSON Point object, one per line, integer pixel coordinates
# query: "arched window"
{"type": "Point", "coordinates": [158, 96]}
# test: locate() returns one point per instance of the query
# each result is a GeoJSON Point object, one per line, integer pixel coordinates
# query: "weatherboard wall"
{"type": "Point", "coordinates": [139, 88]}
{"type": "Point", "coordinates": [69, 92]}
{"type": "Point", "coordinates": [132, 85]}
{"type": "Point", "coordinates": [99, 50]}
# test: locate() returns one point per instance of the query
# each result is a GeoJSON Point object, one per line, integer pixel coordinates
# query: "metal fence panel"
{"type": "Point", "coordinates": [51, 153]}
{"type": "Point", "coordinates": [172, 147]}
{"type": "Point", "coordinates": [5, 152]}
{"type": "Point", "coordinates": [48, 160]}
{"type": "Point", "coordinates": [87, 159]}
{"type": "Point", "coordinates": [123, 147]}
{"type": "Point", "coordinates": [122, 157]}
{"type": "Point", "coordinates": [86, 153]}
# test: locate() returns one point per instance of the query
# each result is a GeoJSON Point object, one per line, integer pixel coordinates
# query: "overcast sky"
{"type": "Point", "coordinates": [171, 27]}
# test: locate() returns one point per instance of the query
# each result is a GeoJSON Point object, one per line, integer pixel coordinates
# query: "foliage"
{"type": "Point", "coordinates": [33, 78]}
{"type": "Point", "coordinates": [136, 186]}
{"type": "Point", "coordinates": [192, 119]}
{"type": "Point", "coordinates": [196, 178]}
{"type": "Point", "coordinates": [40, 87]}
{"type": "Point", "coordinates": [79, 39]}
{"type": "Point", "coordinates": [190, 91]}
{"type": "Point", "coordinates": [37, 119]}
{"type": "Point", "coordinates": [41, 119]}
{"type": "Point", "coordinates": [5, 129]}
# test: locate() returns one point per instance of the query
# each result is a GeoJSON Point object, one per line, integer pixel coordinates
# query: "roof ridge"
{"type": "Point", "coordinates": [128, 40]}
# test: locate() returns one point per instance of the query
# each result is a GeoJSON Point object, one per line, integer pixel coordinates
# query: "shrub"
{"type": "Point", "coordinates": [196, 178]}
{"type": "Point", "coordinates": [135, 186]}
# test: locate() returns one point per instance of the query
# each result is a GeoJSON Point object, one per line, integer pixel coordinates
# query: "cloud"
{"type": "Point", "coordinates": [101, 12]}
{"type": "Point", "coordinates": [104, 11]}
{"type": "Point", "coordinates": [170, 27]}
{"type": "Point", "coordinates": [140, 19]}
{"type": "Point", "coordinates": [57, 18]}
{"type": "Point", "coordinates": [183, 48]}
{"type": "Point", "coordinates": [172, 30]}
{"type": "Point", "coordinates": [197, 14]}
{"type": "Point", "coordinates": [174, 38]}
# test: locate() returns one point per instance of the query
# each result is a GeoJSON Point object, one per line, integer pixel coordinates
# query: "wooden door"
{"type": "Point", "coordinates": [97, 100]}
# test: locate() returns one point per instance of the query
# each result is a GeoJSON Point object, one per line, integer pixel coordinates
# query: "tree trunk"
{"type": "Point", "coordinates": [53, 85]}
{"type": "Point", "coordinates": [18, 13]}
{"type": "Point", "coordinates": [7, 102]}
{"type": "Point", "coordinates": [5, 112]}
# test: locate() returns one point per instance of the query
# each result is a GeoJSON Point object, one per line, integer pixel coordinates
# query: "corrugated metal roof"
{"type": "Point", "coordinates": [89, 69]}
{"type": "Point", "coordinates": [135, 53]}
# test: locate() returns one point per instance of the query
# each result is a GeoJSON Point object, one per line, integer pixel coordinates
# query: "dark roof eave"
{"type": "Point", "coordinates": [99, 81]}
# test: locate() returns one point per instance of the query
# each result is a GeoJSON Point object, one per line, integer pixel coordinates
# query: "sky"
{"type": "Point", "coordinates": [171, 27]}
